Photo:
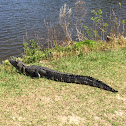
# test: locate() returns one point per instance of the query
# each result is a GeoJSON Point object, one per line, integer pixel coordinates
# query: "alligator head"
{"type": "Point", "coordinates": [18, 65]}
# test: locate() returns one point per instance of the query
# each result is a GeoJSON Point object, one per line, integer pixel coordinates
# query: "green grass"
{"type": "Point", "coordinates": [41, 102]}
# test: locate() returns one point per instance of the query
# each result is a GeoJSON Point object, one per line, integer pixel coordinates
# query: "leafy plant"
{"type": "Point", "coordinates": [31, 47]}
{"type": "Point", "coordinates": [89, 43]}
{"type": "Point", "coordinates": [79, 44]}
{"type": "Point", "coordinates": [99, 24]}
{"type": "Point", "coordinates": [32, 52]}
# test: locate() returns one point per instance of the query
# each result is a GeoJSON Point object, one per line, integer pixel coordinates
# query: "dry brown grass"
{"type": "Point", "coordinates": [71, 105]}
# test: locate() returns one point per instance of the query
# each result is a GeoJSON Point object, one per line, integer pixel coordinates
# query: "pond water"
{"type": "Point", "coordinates": [21, 17]}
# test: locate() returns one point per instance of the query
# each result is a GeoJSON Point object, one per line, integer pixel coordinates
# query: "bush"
{"type": "Point", "coordinates": [88, 43]}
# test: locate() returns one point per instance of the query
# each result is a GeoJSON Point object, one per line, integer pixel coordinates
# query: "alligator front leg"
{"type": "Point", "coordinates": [39, 73]}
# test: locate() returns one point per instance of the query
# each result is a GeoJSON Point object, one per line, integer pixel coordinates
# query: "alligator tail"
{"type": "Point", "coordinates": [99, 84]}
{"type": "Point", "coordinates": [86, 80]}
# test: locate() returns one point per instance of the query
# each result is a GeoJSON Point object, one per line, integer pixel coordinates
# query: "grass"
{"type": "Point", "coordinates": [41, 102]}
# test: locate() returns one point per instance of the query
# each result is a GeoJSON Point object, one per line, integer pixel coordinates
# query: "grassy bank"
{"type": "Point", "coordinates": [38, 102]}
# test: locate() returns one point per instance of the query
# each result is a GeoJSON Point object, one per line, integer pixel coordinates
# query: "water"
{"type": "Point", "coordinates": [18, 17]}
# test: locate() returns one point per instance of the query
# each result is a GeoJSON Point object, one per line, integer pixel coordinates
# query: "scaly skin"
{"type": "Point", "coordinates": [39, 71]}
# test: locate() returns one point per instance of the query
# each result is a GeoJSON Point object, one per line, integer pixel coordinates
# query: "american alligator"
{"type": "Point", "coordinates": [40, 71]}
